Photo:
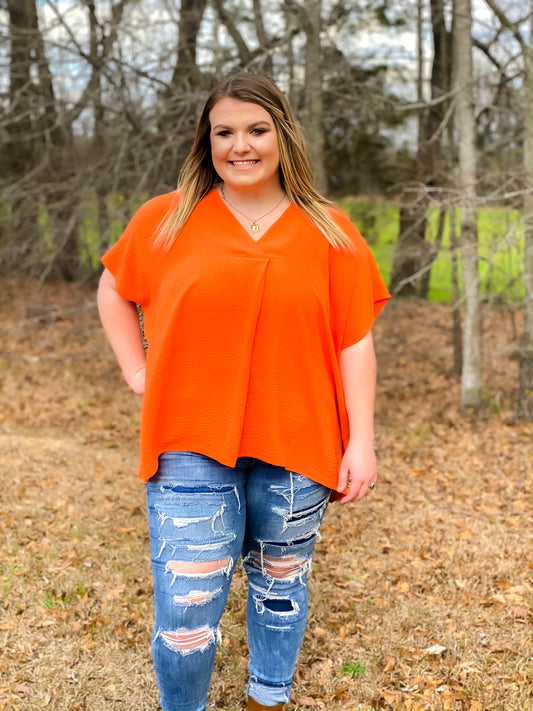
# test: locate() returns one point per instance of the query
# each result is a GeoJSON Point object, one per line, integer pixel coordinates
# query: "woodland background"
{"type": "Point", "coordinates": [424, 108]}
{"type": "Point", "coordinates": [424, 103]}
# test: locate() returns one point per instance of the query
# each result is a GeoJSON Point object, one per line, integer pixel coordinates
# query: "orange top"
{"type": "Point", "coordinates": [244, 337]}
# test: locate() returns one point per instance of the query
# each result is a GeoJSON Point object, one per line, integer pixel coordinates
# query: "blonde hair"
{"type": "Point", "coordinates": [198, 175]}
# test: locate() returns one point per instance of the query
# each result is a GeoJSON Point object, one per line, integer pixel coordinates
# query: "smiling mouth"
{"type": "Point", "coordinates": [243, 163]}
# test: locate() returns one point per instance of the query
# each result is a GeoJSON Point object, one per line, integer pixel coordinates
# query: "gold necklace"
{"type": "Point", "coordinates": [254, 227]}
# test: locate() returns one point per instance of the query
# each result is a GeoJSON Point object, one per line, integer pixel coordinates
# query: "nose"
{"type": "Point", "coordinates": [241, 143]}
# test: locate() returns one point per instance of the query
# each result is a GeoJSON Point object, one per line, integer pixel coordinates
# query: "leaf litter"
{"type": "Point", "coordinates": [421, 595]}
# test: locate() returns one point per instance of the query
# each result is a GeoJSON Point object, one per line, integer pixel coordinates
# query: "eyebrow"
{"type": "Point", "coordinates": [252, 125]}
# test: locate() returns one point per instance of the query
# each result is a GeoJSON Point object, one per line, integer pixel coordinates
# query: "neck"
{"type": "Point", "coordinates": [256, 197]}
{"type": "Point", "coordinates": [255, 221]}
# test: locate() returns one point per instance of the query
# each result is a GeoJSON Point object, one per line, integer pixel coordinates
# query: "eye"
{"type": "Point", "coordinates": [224, 132]}
{"type": "Point", "coordinates": [258, 131]}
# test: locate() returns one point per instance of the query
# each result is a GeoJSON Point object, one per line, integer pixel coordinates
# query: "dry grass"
{"type": "Point", "coordinates": [421, 594]}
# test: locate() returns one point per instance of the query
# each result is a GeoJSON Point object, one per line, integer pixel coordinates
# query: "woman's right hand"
{"type": "Point", "coordinates": [121, 324]}
{"type": "Point", "coordinates": [136, 381]}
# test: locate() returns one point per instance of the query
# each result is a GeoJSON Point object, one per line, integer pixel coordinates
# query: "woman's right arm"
{"type": "Point", "coordinates": [121, 325]}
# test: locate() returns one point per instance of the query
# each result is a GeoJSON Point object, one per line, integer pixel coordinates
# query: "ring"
{"type": "Point", "coordinates": [372, 485]}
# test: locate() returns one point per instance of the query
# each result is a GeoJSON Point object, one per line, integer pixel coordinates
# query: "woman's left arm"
{"type": "Point", "coordinates": [358, 374]}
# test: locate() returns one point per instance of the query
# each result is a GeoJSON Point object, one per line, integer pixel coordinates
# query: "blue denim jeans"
{"type": "Point", "coordinates": [203, 516]}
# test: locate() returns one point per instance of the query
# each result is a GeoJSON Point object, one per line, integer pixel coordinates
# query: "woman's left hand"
{"type": "Point", "coordinates": [358, 471]}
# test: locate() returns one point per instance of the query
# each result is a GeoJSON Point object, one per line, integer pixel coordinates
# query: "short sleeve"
{"type": "Point", "coordinates": [129, 258]}
{"type": "Point", "coordinates": [357, 291]}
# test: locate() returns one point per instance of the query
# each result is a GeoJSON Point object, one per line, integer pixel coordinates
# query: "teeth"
{"type": "Point", "coordinates": [244, 162]}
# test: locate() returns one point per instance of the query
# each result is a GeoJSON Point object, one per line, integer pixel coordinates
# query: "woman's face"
{"type": "Point", "coordinates": [244, 145]}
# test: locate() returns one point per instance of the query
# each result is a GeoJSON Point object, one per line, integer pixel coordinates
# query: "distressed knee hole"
{"type": "Point", "coordinates": [279, 605]}
{"type": "Point", "coordinates": [286, 567]}
{"type": "Point", "coordinates": [186, 641]}
{"type": "Point", "coordinates": [199, 569]}
{"type": "Point", "coordinates": [196, 597]}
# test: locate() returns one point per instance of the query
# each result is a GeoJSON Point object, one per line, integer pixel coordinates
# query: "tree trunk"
{"type": "Point", "coordinates": [525, 398]}
{"type": "Point", "coordinates": [471, 372]}
{"type": "Point", "coordinates": [25, 146]}
{"type": "Point", "coordinates": [412, 251]}
{"type": "Point", "coordinates": [21, 124]}
{"type": "Point", "coordinates": [182, 98]}
{"type": "Point", "coordinates": [456, 295]}
{"type": "Point", "coordinates": [245, 55]}
{"type": "Point", "coordinates": [99, 133]}
{"type": "Point", "coordinates": [432, 251]}
{"type": "Point", "coordinates": [186, 72]}
{"type": "Point", "coordinates": [420, 58]}
{"type": "Point", "coordinates": [313, 104]}
{"type": "Point", "coordinates": [288, 13]}
{"type": "Point", "coordinates": [412, 230]}
{"type": "Point", "coordinates": [264, 42]}
{"type": "Point", "coordinates": [410, 247]}
{"type": "Point", "coordinates": [63, 206]}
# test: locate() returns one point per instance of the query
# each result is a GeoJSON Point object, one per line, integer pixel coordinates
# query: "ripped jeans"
{"type": "Point", "coordinates": [203, 516]}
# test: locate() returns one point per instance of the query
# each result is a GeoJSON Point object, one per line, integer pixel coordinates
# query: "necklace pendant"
{"type": "Point", "coordinates": [254, 227]}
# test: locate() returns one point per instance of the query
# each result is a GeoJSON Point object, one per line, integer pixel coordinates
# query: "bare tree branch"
{"type": "Point", "coordinates": [513, 27]}
{"type": "Point", "coordinates": [245, 54]}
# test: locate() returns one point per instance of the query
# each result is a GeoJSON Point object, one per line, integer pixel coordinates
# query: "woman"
{"type": "Point", "coordinates": [258, 298]}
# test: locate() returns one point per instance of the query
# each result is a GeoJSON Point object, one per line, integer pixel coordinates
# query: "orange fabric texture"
{"type": "Point", "coordinates": [245, 337]}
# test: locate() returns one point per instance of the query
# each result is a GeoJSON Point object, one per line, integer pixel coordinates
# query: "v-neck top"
{"type": "Point", "coordinates": [244, 336]}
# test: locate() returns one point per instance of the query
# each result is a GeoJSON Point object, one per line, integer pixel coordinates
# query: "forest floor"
{"type": "Point", "coordinates": [422, 594]}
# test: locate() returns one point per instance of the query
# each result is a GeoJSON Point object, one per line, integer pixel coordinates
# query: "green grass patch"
{"type": "Point", "coordinates": [116, 218]}
{"type": "Point", "coordinates": [353, 669]}
{"type": "Point", "coordinates": [501, 247]}
{"type": "Point", "coordinates": [379, 223]}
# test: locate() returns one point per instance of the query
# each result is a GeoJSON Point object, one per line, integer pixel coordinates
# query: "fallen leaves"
{"type": "Point", "coordinates": [421, 593]}
{"type": "Point", "coordinates": [309, 702]}
{"type": "Point", "coordinates": [424, 694]}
